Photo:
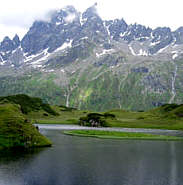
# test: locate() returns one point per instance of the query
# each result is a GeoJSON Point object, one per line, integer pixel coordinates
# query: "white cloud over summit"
{"type": "Point", "coordinates": [16, 16]}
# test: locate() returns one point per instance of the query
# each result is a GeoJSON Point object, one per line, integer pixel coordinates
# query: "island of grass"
{"type": "Point", "coordinates": [16, 130]}
{"type": "Point", "coordinates": [121, 135]}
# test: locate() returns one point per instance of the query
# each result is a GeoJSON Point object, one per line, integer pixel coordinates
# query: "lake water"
{"type": "Point", "coordinates": [90, 161]}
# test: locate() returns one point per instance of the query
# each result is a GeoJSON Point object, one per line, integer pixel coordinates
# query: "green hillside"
{"type": "Point", "coordinates": [135, 86]}
{"type": "Point", "coordinates": [168, 116]}
{"type": "Point", "coordinates": [16, 130]}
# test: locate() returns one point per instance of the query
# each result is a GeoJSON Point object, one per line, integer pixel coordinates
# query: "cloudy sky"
{"type": "Point", "coordinates": [16, 16]}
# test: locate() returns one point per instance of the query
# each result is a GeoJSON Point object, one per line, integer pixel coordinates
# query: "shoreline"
{"type": "Point", "coordinates": [121, 135]}
{"type": "Point", "coordinates": [117, 129]}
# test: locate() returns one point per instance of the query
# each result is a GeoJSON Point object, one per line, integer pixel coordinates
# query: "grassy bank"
{"type": "Point", "coordinates": [121, 135]}
{"type": "Point", "coordinates": [17, 131]}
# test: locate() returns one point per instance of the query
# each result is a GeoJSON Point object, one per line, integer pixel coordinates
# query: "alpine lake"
{"type": "Point", "coordinates": [76, 160]}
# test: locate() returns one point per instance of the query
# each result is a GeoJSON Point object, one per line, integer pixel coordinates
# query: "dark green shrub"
{"type": "Point", "coordinates": [109, 115]}
{"type": "Point", "coordinates": [69, 109]}
{"type": "Point", "coordinates": [141, 117]}
{"type": "Point", "coordinates": [94, 120]}
{"type": "Point", "coordinates": [28, 104]}
{"type": "Point", "coordinates": [169, 107]}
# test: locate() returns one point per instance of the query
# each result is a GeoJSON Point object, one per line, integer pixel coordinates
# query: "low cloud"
{"type": "Point", "coordinates": [24, 20]}
{"type": "Point", "coordinates": [20, 14]}
{"type": "Point", "coordinates": [17, 16]}
{"type": "Point", "coordinates": [70, 18]}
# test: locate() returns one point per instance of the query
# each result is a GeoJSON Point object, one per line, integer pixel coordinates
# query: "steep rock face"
{"type": "Point", "coordinates": [93, 25]}
{"type": "Point", "coordinates": [116, 28]}
{"type": "Point", "coordinates": [7, 46]}
{"type": "Point", "coordinates": [162, 37]}
{"type": "Point", "coordinates": [67, 27]}
{"type": "Point", "coordinates": [80, 60]}
{"type": "Point", "coordinates": [178, 34]}
{"type": "Point", "coordinates": [16, 41]}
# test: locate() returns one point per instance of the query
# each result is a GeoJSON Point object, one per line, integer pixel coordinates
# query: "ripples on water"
{"type": "Point", "coordinates": [90, 161]}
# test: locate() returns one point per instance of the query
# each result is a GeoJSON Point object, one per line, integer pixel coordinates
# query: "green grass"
{"type": "Point", "coordinates": [66, 116]}
{"type": "Point", "coordinates": [28, 104]}
{"type": "Point", "coordinates": [17, 131]}
{"type": "Point", "coordinates": [121, 135]}
{"type": "Point", "coordinates": [164, 117]}
{"type": "Point", "coordinates": [151, 119]}
{"type": "Point", "coordinates": [125, 119]}
{"type": "Point", "coordinates": [57, 121]}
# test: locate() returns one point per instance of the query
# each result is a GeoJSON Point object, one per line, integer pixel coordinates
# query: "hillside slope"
{"type": "Point", "coordinates": [16, 130]}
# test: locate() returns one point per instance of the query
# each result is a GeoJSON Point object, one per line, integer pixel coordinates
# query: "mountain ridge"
{"type": "Point", "coordinates": [62, 20]}
{"type": "Point", "coordinates": [75, 56]}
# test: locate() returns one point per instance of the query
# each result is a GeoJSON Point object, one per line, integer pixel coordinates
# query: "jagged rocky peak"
{"type": "Point", "coordinates": [6, 39]}
{"type": "Point", "coordinates": [178, 34]}
{"type": "Point", "coordinates": [116, 28]}
{"type": "Point", "coordinates": [40, 26]}
{"type": "Point", "coordinates": [92, 21]}
{"type": "Point", "coordinates": [140, 30]}
{"type": "Point", "coordinates": [161, 32]}
{"type": "Point", "coordinates": [91, 12]}
{"type": "Point", "coordinates": [50, 35]}
{"type": "Point", "coordinates": [93, 26]}
{"type": "Point", "coordinates": [179, 30]}
{"type": "Point", "coordinates": [35, 38]}
{"type": "Point", "coordinates": [7, 45]}
{"type": "Point", "coordinates": [68, 28]}
{"type": "Point", "coordinates": [67, 14]}
{"type": "Point", "coordinates": [137, 32]}
{"type": "Point", "coordinates": [16, 40]}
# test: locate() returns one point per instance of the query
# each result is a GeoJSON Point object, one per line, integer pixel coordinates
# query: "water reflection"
{"type": "Point", "coordinates": [18, 153]}
{"type": "Point", "coordinates": [173, 165]}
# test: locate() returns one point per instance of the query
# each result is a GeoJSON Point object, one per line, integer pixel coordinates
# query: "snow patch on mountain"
{"type": "Point", "coordinates": [107, 28]}
{"type": "Point", "coordinates": [142, 53]}
{"type": "Point", "coordinates": [132, 50]}
{"type": "Point", "coordinates": [83, 38]}
{"type": "Point", "coordinates": [154, 43]}
{"type": "Point", "coordinates": [37, 59]}
{"type": "Point", "coordinates": [58, 23]}
{"type": "Point", "coordinates": [45, 56]}
{"type": "Point", "coordinates": [64, 46]}
{"type": "Point", "coordinates": [2, 63]}
{"type": "Point", "coordinates": [104, 52]}
{"type": "Point", "coordinates": [123, 34]}
{"type": "Point", "coordinates": [31, 57]}
{"type": "Point", "coordinates": [163, 49]}
{"type": "Point", "coordinates": [62, 70]}
{"type": "Point", "coordinates": [175, 54]}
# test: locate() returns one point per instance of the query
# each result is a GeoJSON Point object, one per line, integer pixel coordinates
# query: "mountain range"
{"type": "Point", "coordinates": [79, 60]}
